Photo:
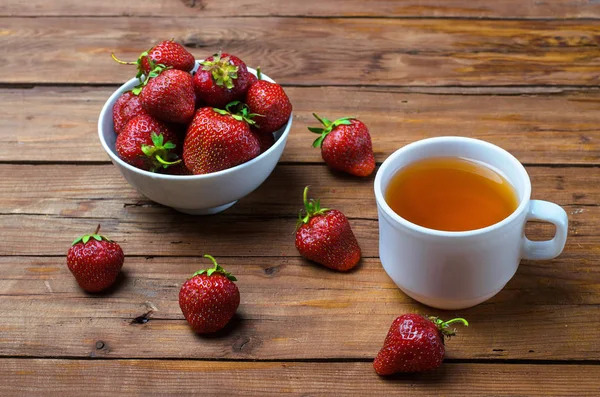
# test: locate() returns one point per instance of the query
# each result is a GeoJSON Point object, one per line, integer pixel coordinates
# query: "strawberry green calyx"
{"type": "Point", "coordinates": [221, 69]}
{"type": "Point", "coordinates": [160, 152]}
{"type": "Point", "coordinates": [215, 269]}
{"type": "Point", "coordinates": [239, 111]}
{"type": "Point", "coordinates": [84, 239]}
{"type": "Point", "coordinates": [329, 126]}
{"type": "Point", "coordinates": [140, 68]}
{"type": "Point", "coordinates": [156, 70]}
{"type": "Point", "coordinates": [443, 325]}
{"type": "Point", "coordinates": [312, 208]}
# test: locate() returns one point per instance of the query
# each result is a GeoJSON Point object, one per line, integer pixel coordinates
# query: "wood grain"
{"type": "Point", "coordinates": [176, 378]}
{"type": "Point", "coordinates": [285, 303]}
{"type": "Point", "coordinates": [557, 126]}
{"type": "Point", "coordinates": [521, 9]}
{"type": "Point", "coordinates": [168, 233]}
{"type": "Point", "coordinates": [314, 51]}
{"type": "Point", "coordinates": [99, 191]}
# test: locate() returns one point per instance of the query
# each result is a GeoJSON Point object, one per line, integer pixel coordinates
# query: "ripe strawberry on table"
{"type": "Point", "coordinates": [414, 343]}
{"type": "Point", "coordinates": [221, 79]}
{"type": "Point", "coordinates": [219, 139]}
{"type": "Point", "coordinates": [324, 236]}
{"type": "Point", "coordinates": [270, 101]}
{"type": "Point", "coordinates": [147, 143]}
{"type": "Point", "coordinates": [95, 261]}
{"type": "Point", "coordinates": [126, 107]}
{"type": "Point", "coordinates": [167, 53]}
{"type": "Point", "coordinates": [168, 95]}
{"type": "Point", "coordinates": [209, 298]}
{"type": "Point", "coordinates": [345, 145]}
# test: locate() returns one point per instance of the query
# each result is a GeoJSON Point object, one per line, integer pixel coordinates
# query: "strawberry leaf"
{"type": "Point", "coordinates": [329, 126]}
{"type": "Point", "coordinates": [157, 139]}
{"type": "Point", "coordinates": [344, 121]}
{"type": "Point", "coordinates": [86, 238]}
{"type": "Point", "coordinates": [221, 111]}
{"type": "Point", "coordinates": [319, 141]}
{"type": "Point", "coordinates": [137, 90]}
{"type": "Point", "coordinates": [160, 152]}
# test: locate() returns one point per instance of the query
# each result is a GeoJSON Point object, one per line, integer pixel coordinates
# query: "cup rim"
{"type": "Point", "coordinates": [383, 205]}
{"type": "Point", "coordinates": [107, 112]}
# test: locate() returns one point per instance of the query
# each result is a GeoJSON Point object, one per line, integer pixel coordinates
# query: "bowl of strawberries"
{"type": "Point", "coordinates": [195, 135]}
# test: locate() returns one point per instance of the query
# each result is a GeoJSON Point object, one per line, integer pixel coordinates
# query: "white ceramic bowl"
{"type": "Point", "coordinates": [192, 194]}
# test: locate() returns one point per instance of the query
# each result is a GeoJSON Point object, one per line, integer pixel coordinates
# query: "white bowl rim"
{"type": "Point", "coordinates": [115, 158]}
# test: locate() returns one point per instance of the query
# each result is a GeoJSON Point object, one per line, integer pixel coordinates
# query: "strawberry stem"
{"type": "Point", "coordinates": [312, 208]}
{"type": "Point", "coordinates": [443, 325]}
{"type": "Point", "coordinates": [167, 163]}
{"type": "Point", "coordinates": [455, 320]}
{"type": "Point", "coordinates": [258, 73]}
{"type": "Point", "coordinates": [114, 57]}
{"type": "Point", "coordinates": [97, 229]}
{"type": "Point", "coordinates": [212, 259]}
{"type": "Point", "coordinates": [215, 269]}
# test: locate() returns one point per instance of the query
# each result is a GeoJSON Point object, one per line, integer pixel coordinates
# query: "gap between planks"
{"type": "Point", "coordinates": [447, 361]}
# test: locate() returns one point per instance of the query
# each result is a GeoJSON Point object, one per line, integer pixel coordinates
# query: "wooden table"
{"type": "Point", "coordinates": [522, 74]}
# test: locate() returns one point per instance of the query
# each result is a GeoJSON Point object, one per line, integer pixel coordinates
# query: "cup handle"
{"type": "Point", "coordinates": [549, 212]}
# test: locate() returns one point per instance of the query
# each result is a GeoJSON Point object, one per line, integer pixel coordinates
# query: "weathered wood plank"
{"type": "Point", "coordinates": [284, 301]}
{"type": "Point", "coordinates": [99, 191]}
{"type": "Point", "coordinates": [332, 8]}
{"type": "Point", "coordinates": [178, 377]}
{"type": "Point", "coordinates": [536, 128]}
{"type": "Point", "coordinates": [169, 233]}
{"type": "Point", "coordinates": [315, 51]}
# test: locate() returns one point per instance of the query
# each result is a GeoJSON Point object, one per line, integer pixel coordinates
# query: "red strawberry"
{"type": "Point", "coordinates": [126, 107]}
{"type": "Point", "coordinates": [209, 299]}
{"type": "Point", "coordinates": [265, 141]}
{"type": "Point", "coordinates": [252, 78]}
{"type": "Point", "coordinates": [168, 95]}
{"type": "Point", "coordinates": [324, 236]}
{"type": "Point", "coordinates": [217, 139]}
{"type": "Point", "coordinates": [345, 145]}
{"type": "Point", "coordinates": [414, 343]}
{"type": "Point", "coordinates": [167, 53]}
{"type": "Point", "coordinates": [147, 144]}
{"type": "Point", "coordinates": [270, 101]}
{"type": "Point", "coordinates": [221, 79]}
{"type": "Point", "coordinates": [95, 261]}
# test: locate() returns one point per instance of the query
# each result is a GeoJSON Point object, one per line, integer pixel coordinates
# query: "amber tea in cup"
{"type": "Point", "coordinates": [451, 194]}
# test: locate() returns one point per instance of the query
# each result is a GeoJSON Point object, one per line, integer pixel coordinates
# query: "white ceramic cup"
{"type": "Point", "coordinates": [456, 270]}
